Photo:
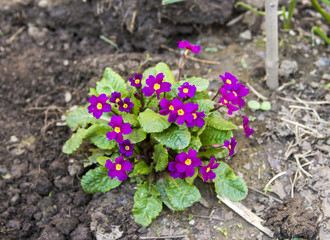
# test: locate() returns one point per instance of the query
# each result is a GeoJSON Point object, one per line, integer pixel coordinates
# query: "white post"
{"type": "Point", "coordinates": [271, 44]}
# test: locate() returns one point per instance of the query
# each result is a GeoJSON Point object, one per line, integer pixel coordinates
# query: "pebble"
{"type": "Point", "coordinates": [288, 67]}
{"type": "Point", "coordinates": [246, 35]}
{"type": "Point", "coordinates": [66, 62]}
{"type": "Point", "coordinates": [322, 62]}
{"type": "Point", "coordinates": [15, 224]}
{"type": "Point", "coordinates": [13, 139]}
{"type": "Point", "coordinates": [192, 222]}
{"type": "Point", "coordinates": [67, 96]}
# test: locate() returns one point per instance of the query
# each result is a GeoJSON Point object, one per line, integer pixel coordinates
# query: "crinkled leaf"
{"type": "Point", "coordinates": [81, 117]}
{"type": "Point", "coordinates": [203, 104]}
{"type": "Point", "coordinates": [200, 83]}
{"type": "Point", "coordinates": [212, 135]}
{"type": "Point", "coordinates": [93, 158]}
{"type": "Point", "coordinates": [152, 122]}
{"type": "Point", "coordinates": [97, 180]}
{"type": "Point", "coordinates": [163, 68]}
{"type": "Point", "coordinates": [111, 82]}
{"type": "Point", "coordinates": [74, 142]}
{"type": "Point", "coordinates": [160, 157]}
{"type": "Point", "coordinates": [97, 135]}
{"type": "Point", "coordinates": [147, 205]}
{"type": "Point", "coordinates": [228, 184]}
{"type": "Point", "coordinates": [163, 197]}
{"type": "Point", "coordinates": [137, 105]}
{"type": "Point", "coordinates": [213, 152]}
{"type": "Point", "coordinates": [174, 138]}
{"type": "Point", "coordinates": [131, 119]}
{"type": "Point", "coordinates": [137, 135]}
{"type": "Point", "coordinates": [180, 193]}
{"type": "Point", "coordinates": [220, 123]}
{"type": "Point", "coordinates": [195, 144]}
{"type": "Point", "coordinates": [142, 168]}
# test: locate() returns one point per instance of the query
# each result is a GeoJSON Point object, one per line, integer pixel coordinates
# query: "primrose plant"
{"type": "Point", "coordinates": [161, 133]}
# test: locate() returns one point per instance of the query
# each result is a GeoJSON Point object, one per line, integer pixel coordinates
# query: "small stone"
{"type": "Point", "coordinates": [67, 96]}
{"type": "Point", "coordinates": [14, 224]}
{"type": "Point", "coordinates": [322, 62]}
{"type": "Point", "coordinates": [66, 225]}
{"type": "Point", "coordinates": [66, 62]}
{"type": "Point", "coordinates": [287, 68]}
{"type": "Point", "coordinates": [14, 200]}
{"type": "Point", "coordinates": [13, 139]}
{"type": "Point", "coordinates": [42, 3]}
{"type": "Point", "coordinates": [50, 233]}
{"type": "Point", "coordinates": [246, 35]}
{"type": "Point", "coordinates": [74, 167]}
{"type": "Point", "coordinates": [192, 222]}
{"type": "Point", "coordinates": [326, 76]}
{"type": "Point", "coordinates": [81, 233]}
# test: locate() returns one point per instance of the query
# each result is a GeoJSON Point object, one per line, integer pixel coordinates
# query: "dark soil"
{"type": "Point", "coordinates": [292, 220]}
{"type": "Point", "coordinates": [49, 56]}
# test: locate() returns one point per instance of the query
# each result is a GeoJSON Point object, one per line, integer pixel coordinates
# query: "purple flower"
{"type": "Point", "coordinates": [126, 147]}
{"type": "Point", "coordinates": [225, 100]}
{"type": "Point", "coordinates": [198, 118]}
{"type": "Point", "coordinates": [125, 105]}
{"type": "Point", "coordinates": [118, 168]}
{"type": "Point", "coordinates": [230, 145]}
{"type": "Point", "coordinates": [119, 129]}
{"type": "Point", "coordinates": [207, 172]}
{"type": "Point", "coordinates": [184, 164]}
{"type": "Point", "coordinates": [239, 91]}
{"type": "Point", "coordinates": [156, 84]}
{"type": "Point", "coordinates": [188, 46]}
{"type": "Point", "coordinates": [168, 109]}
{"type": "Point", "coordinates": [98, 105]}
{"type": "Point", "coordinates": [186, 90]}
{"type": "Point", "coordinates": [229, 81]}
{"type": "Point", "coordinates": [183, 111]}
{"type": "Point", "coordinates": [248, 131]}
{"type": "Point", "coordinates": [136, 82]}
{"type": "Point", "coordinates": [115, 98]}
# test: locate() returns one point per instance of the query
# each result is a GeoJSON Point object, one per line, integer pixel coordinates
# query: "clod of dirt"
{"type": "Point", "coordinates": [291, 219]}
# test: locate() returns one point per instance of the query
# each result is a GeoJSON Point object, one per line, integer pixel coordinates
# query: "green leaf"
{"type": "Point", "coordinates": [163, 197]}
{"type": "Point", "coordinates": [203, 105]}
{"type": "Point", "coordinates": [228, 184]}
{"type": "Point", "coordinates": [180, 193]}
{"type": "Point", "coordinates": [92, 91]}
{"type": "Point", "coordinates": [191, 180]}
{"type": "Point", "coordinates": [266, 106]}
{"type": "Point", "coordinates": [163, 68]}
{"type": "Point", "coordinates": [160, 157]}
{"type": "Point", "coordinates": [147, 205]}
{"type": "Point", "coordinates": [212, 135]}
{"type": "Point", "coordinates": [95, 154]}
{"type": "Point", "coordinates": [130, 118]}
{"type": "Point", "coordinates": [174, 138]}
{"type": "Point", "coordinates": [200, 83]}
{"type": "Point", "coordinates": [220, 123]}
{"type": "Point", "coordinates": [97, 180]}
{"type": "Point", "coordinates": [215, 152]}
{"type": "Point", "coordinates": [81, 117]}
{"type": "Point", "coordinates": [74, 142]}
{"type": "Point", "coordinates": [97, 135]}
{"type": "Point", "coordinates": [195, 144]}
{"type": "Point", "coordinates": [102, 160]}
{"type": "Point", "coordinates": [146, 74]}
{"type": "Point", "coordinates": [136, 102]}
{"type": "Point", "coordinates": [111, 82]}
{"type": "Point", "coordinates": [253, 104]}
{"type": "Point", "coordinates": [137, 135]}
{"type": "Point", "coordinates": [142, 168]}
{"type": "Point", "coordinates": [152, 122]}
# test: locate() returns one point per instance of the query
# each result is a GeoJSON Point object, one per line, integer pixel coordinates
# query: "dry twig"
{"type": "Point", "coordinates": [263, 98]}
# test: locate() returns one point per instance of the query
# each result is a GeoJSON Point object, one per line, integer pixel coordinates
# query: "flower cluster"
{"type": "Point", "coordinates": [232, 93]}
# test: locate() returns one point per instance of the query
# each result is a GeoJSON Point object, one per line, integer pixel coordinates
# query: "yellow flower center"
{"type": "Point", "coordinates": [195, 116]}
{"type": "Point", "coordinates": [180, 112]}
{"type": "Point", "coordinates": [188, 161]}
{"type": "Point", "coordinates": [228, 81]}
{"type": "Point", "coordinates": [185, 90]}
{"type": "Point", "coordinates": [117, 100]}
{"type": "Point", "coordinates": [99, 106]}
{"type": "Point", "coordinates": [156, 86]}
{"type": "Point", "coordinates": [118, 167]}
{"type": "Point", "coordinates": [117, 129]}
{"type": "Point", "coordinates": [225, 101]}
{"type": "Point", "coordinates": [137, 81]}
{"type": "Point", "coordinates": [171, 108]}
{"type": "Point", "coordinates": [127, 148]}
{"type": "Point", "coordinates": [125, 105]}
{"type": "Point", "coordinates": [208, 169]}
{"type": "Point", "coordinates": [235, 93]}
{"type": "Point", "coordinates": [229, 146]}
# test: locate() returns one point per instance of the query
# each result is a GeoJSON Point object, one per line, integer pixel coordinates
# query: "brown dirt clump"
{"type": "Point", "coordinates": [291, 219]}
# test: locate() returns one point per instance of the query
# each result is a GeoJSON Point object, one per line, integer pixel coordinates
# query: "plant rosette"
{"type": "Point", "coordinates": [160, 133]}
